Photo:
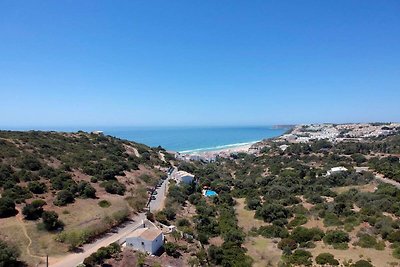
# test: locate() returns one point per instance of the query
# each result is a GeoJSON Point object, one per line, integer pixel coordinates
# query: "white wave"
{"type": "Point", "coordinates": [214, 148]}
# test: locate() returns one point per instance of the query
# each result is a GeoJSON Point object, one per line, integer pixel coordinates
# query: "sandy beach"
{"type": "Point", "coordinates": [223, 152]}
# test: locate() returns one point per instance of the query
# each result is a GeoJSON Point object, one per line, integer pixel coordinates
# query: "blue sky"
{"type": "Point", "coordinates": [107, 63]}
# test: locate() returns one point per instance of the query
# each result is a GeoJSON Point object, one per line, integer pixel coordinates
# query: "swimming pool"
{"type": "Point", "coordinates": [210, 193]}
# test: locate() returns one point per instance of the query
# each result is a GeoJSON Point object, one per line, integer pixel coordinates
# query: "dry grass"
{"type": "Point", "coordinates": [81, 214]}
{"type": "Point", "coordinates": [86, 212]}
{"type": "Point", "coordinates": [11, 231]}
{"type": "Point", "coordinates": [263, 251]}
{"type": "Point", "coordinates": [381, 258]}
{"type": "Point", "coordinates": [43, 242]}
{"type": "Point", "coordinates": [245, 217]}
{"type": "Point", "coordinates": [363, 188]}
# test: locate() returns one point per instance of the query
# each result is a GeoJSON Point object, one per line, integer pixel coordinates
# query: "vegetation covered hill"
{"type": "Point", "coordinates": [48, 178]}
{"type": "Point", "coordinates": [279, 207]}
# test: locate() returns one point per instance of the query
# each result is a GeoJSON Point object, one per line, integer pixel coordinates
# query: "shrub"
{"type": "Point", "coordinates": [368, 241]}
{"type": "Point", "coordinates": [37, 187]}
{"type": "Point", "coordinates": [114, 187]}
{"type": "Point", "coordinates": [8, 255]}
{"type": "Point", "coordinates": [298, 220]}
{"type": "Point", "coordinates": [300, 257]}
{"type": "Point", "coordinates": [172, 249]}
{"type": "Point", "coordinates": [394, 237]}
{"type": "Point", "coordinates": [362, 263]}
{"type": "Point", "coordinates": [34, 210]}
{"type": "Point", "coordinates": [161, 217]}
{"type": "Point", "coordinates": [336, 237]}
{"type": "Point", "coordinates": [7, 207]}
{"type": "Point", "coordinates": [85, 190]}
{"type": "Point", "coordinates": [98, 257]}
{"type": "Point", "coordinates": [30, 163]}
{"type": "Point", "coordinates": [331, 219]}
{"type": "Point", "coordinates": [273, 231]}
{"type": "Point", "coordinates": [301, 234]}
{"type": "Point", "coordinates": [170, 213]}
{"type": "Point", "coordinates": [287, 242]}
{"type": "Point", "coordinates": [63, 198]}
{"type": "Point", "coordinates": [104, 203]}
{"type": "Point", "coordinates": [396, 252]}
{"type": "Point", "coordinates": [51, 221]}
{"type": "Point", "coordinates": [326, 259]}
{"type": "Point", "coordinates": [183, 222]}
{"type": "Point", "coordinates": [272, 212]}
{"type": "Point", "coordinates": [253, 203]}
{"type": "Point", "coordinates": [216, 254]}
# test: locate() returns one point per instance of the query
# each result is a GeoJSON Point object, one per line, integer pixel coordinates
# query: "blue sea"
{"type": "Point", "coordinates": [182, 139]}
{"type": "Point", "coordinates": [195, 139]}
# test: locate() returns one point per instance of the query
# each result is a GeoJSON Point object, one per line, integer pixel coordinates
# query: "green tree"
{"type": "Point", "coordinates": [8, 255]}
{"type": "Point", "coordinates": [326, 258]}
{"type": "Point", "coordinates": [172, 249]}
{"type": "Point", "coordinates": [34, 210]}
{"type": "Point", "coordinates": [362, 263]}
{"type": "Point", "coordinates": [51, 221]}
{"type": "Point", "coordinates": [272, 212]}
{"type": "Point", "coordinates": [300, 257]}
{"type": "Point", "coordinates": [7, 207]}
{"type": "Point", "coordinates": [37, 187]}
{"type": "Point", "coordinates": [287, 242]}
{"type": "Point", "coordinates": [336, 237]}
{"type": "Point", "coordinates": [63, 198]}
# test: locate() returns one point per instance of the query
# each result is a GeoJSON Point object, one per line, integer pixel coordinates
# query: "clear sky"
{"type": "Point", "coordinates": [87, 63]}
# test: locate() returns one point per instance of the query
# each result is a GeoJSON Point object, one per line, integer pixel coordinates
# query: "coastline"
{"type": "Point", "coordinates": [236, 146]}
{"type": "Point", "coordinates": [221, 152]}
{"type": "Point", "coordinates": [227, 150]}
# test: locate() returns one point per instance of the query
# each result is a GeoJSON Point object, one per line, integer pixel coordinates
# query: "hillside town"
{"type": "Point", "coordinates": [305, 133]}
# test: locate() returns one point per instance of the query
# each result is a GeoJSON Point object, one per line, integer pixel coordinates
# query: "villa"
{"type": "Point", "coordinates": [336, 170]}
{"type": "Point", "coordinates": [148, 240]}
{"type": "Point", "coordinates": [182, 176]}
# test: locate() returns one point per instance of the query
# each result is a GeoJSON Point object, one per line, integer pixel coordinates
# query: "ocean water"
{"type": "Point", "coordinates": [194, 139]}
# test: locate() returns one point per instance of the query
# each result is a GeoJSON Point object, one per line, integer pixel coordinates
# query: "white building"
{"type": "Point", "coordinates": [182, 176]}
{"type": "Point", "coordinates": [283, 147]}
{"type": "Point", "coordinates": [148, 240]}
{"type": "Point", "coordinates": [336, 169]}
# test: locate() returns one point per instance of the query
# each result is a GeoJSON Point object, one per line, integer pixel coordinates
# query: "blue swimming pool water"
{"type": "Point", "coordinates": [210, 193]}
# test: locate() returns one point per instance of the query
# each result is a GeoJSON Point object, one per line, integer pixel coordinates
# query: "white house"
{"type": "Point", "coordinates": [182, 176]}
{"type": "Point", "coordinates": [335, 170]}
{"type": "Point", "coordinates": [148, 240]}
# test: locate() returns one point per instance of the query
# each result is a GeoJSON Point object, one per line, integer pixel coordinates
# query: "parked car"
{"type": "Point", "coordinates": [155, 193]}
{"type": "Point", "coordinates": [153, 198]}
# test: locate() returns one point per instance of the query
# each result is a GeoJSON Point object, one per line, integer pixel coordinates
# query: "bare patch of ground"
{"type": "Point", "coordinates": [363, 188]}
{"type": "Point", "coordinates": [381, 258]}
{"type": "Point", "coordinates": [263, 251]}
{"type": "Point", "coordinates": [245, 217]}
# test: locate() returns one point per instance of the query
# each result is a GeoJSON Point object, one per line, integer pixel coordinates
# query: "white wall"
{"type": "Point", "coordinates": [144, 245]}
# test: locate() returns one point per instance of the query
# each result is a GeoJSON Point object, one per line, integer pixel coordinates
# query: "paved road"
{"type": "Point", "coordinates": [74, 259]}
{"type": "Point", "coordinates": [379, 177]}
{"type": "Point", "coordinates": [158, 203]}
